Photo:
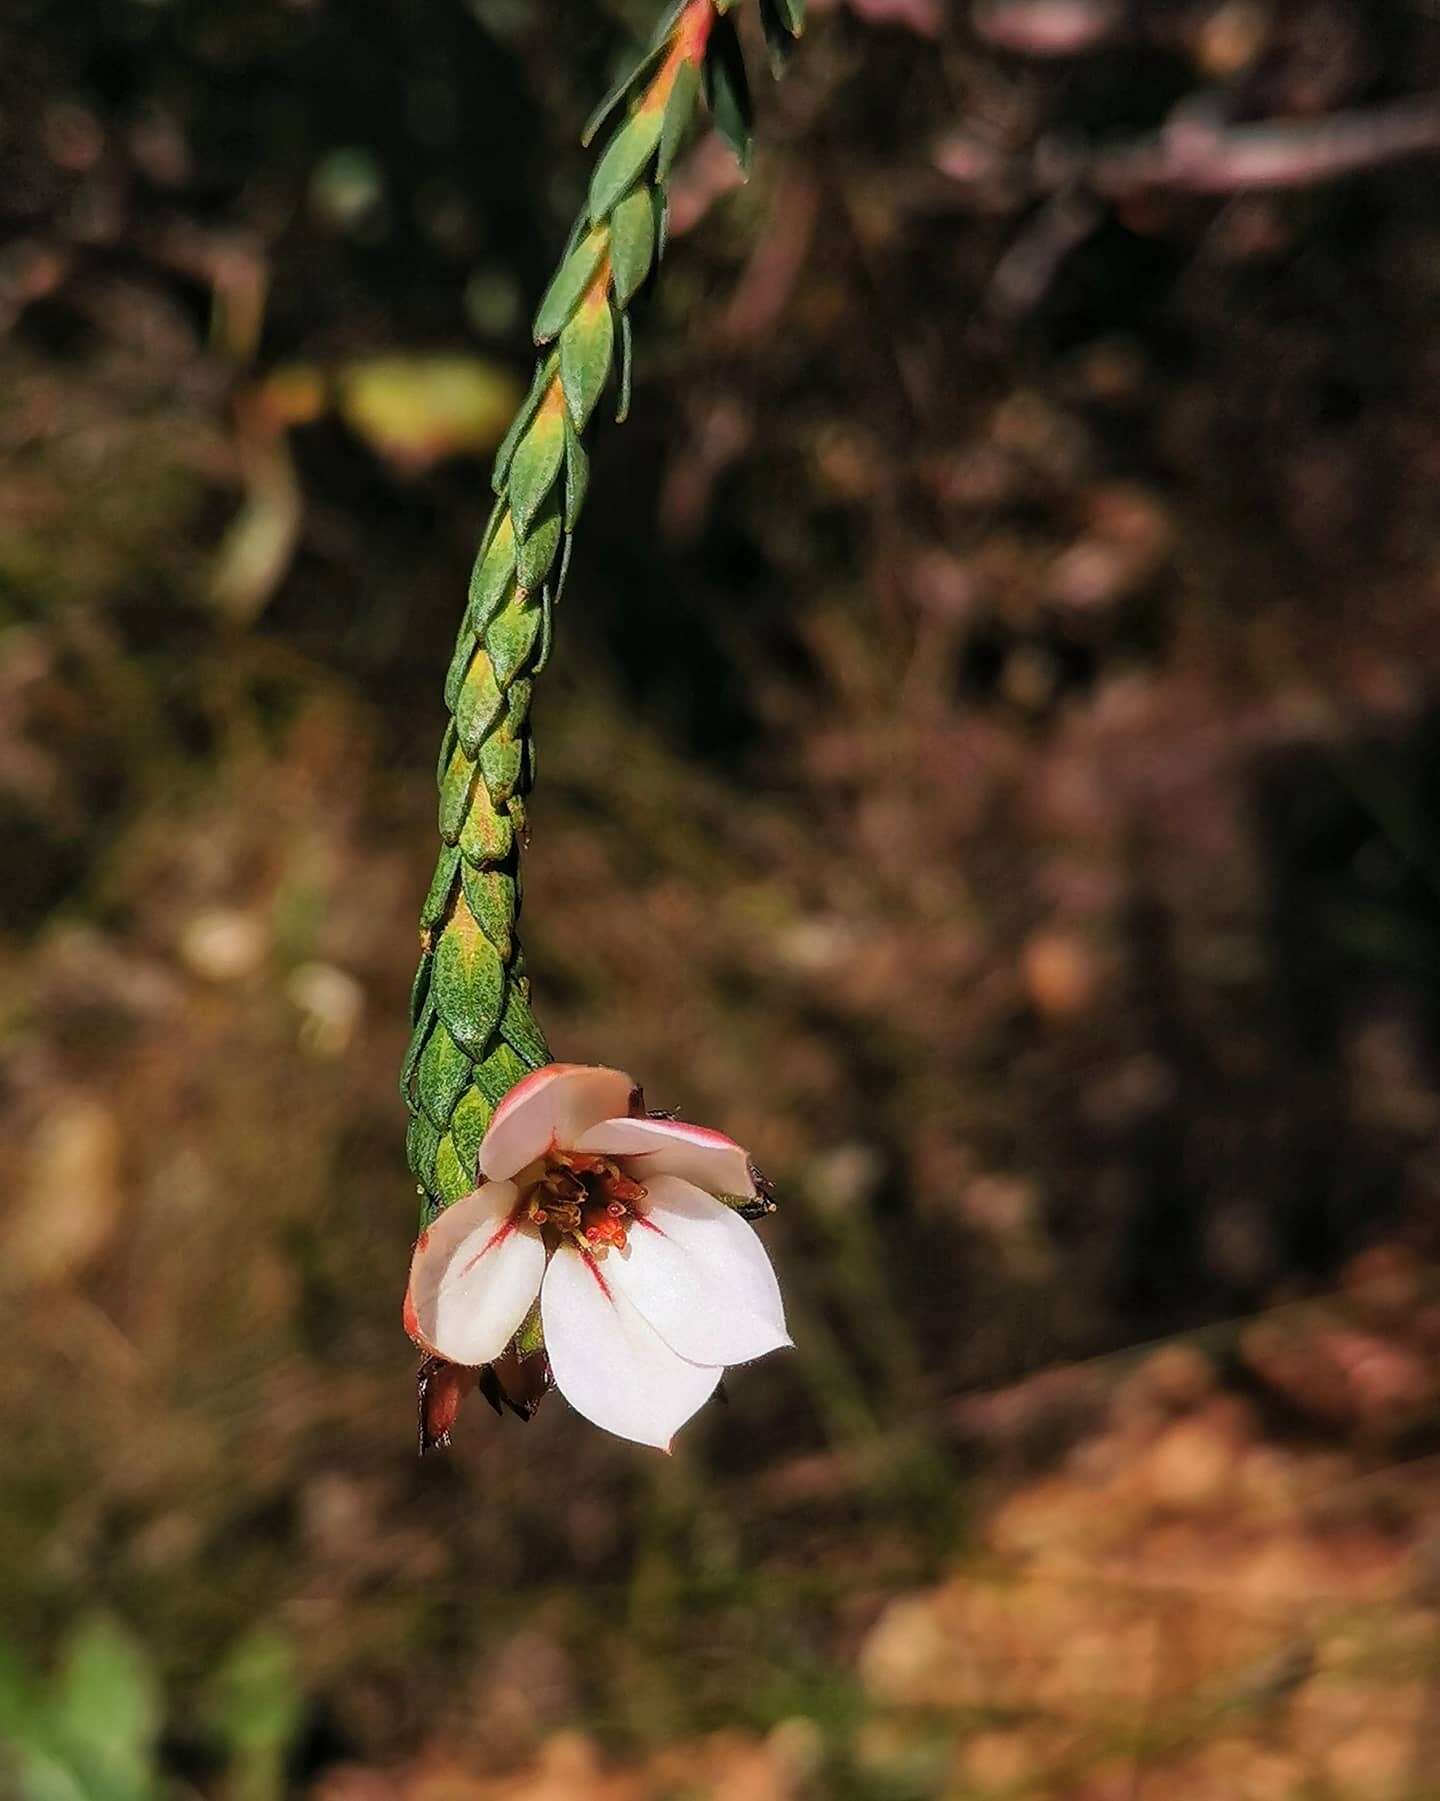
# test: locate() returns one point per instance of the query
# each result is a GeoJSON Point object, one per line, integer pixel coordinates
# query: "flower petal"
{"type": "Point", "coordinates": [552, 1107]}
{"type": "Point", "coordinates": [473, 1277]}
{"type": "Point", "coordinates": [671, 1148]}
{"type": "Point", "coordinates": [699, 1275]}
{"type": "Point", "coordinates": [608, 1363]}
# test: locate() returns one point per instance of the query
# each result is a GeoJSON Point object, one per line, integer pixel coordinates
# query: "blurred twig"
{"type": "Point", "coordinates": [1197, 152]}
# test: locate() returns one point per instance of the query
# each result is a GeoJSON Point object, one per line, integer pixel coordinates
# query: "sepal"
{"type": "Point", "coordinates": [748, 1206]}
{"type": "Point", "coordinates": [440, 1387]}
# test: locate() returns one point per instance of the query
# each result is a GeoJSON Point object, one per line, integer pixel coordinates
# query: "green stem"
{"type": "Point", "coordinates": [474, 1032]}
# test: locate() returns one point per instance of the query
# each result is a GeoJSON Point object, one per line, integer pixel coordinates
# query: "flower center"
{"type": "Point", "coordinates": [584, 1198]}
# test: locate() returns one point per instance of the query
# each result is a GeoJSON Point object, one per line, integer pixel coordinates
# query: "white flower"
{"type": "Point", "coordinates": [648, 1285]}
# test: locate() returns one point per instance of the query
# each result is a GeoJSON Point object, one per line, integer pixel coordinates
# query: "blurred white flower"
{"type": "Point", "coordinates": [648, 1285]}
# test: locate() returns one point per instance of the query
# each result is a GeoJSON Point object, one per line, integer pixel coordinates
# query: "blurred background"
{"type": "Point", "coordinates": [990, 767]}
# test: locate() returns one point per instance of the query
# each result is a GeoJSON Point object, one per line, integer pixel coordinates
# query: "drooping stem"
{"type": "Point", "coordinates": [474, 1034]}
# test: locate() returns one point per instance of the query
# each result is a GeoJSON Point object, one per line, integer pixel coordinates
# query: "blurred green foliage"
{"type": "Point", "coordinates": [92, 1732]}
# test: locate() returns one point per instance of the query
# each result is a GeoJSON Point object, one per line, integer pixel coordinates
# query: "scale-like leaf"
{"type": "Point", "coordinates": [437, 897]}
{"type": "Point", "coordinates": [632, 243]}
{"type": "Point", "coordinates": [490, 575]}
{"type": "Point", "coordinates": [622, 408]}
{"type": "Point", "coordinates": [779, 40]}
{"type": "Point", "coordinates": [441, 1076]}
{"type": "Point", "coordinates": [490, 896]}
{"type": "Point", "coordinates": [644, 68]}
{"type": "Point", "coordinates": [570, 281]}
{"type": "Point", "coordinates": [512, 633]}
{"type": "Point", "coordinates": [469, 981]}
{"type": "Point", "coordinates": [452, 1179]}
{"type": "Point", "coordinates": [542, 655]}
{"type": "Point", "coordinates": [486, 834]}
{"type": "Point", "coordinates": [455, 791]}
{"type": "Point", "coordinates": [421, 1143]}
{"type": "Point", "coordinates": [660, 199]}
{"type": "Point", "coordinates": [586, 347]}
{"type": "Point", "coordinates": [537, 460]}
{"type": "Point", "coordinates": [559, 584]}
{"type": "Point", "coordinates": [625, 158]}
{"type": "Point", "coordinates": [502, 753]}
{"type": "Point", "coordinates": [418, 1038]}
{"type": "Point", "coordinates": [538, 550]}
{"type": "Point", "coordinates": [420, 988]}
{"type": "Point", "coordinates": [727, 88]}
{"type": "Point", "coordinates": [518, 1028]}
{"type": "Point", "coordinates": [544, 373]}
{"type": "Point", "coordinates": [577, 473]}
{"type": "Point", "coordinates": [464, 649]}
{"type": "Point", "coordinates": [667, 21]}
{"type": "Point", "coordinates": [479, 704]}
{"type": "Point", "coordinates": [471, 1120]}
{"type": "Point", "coordinates": [679, 109]}
{"type": "Point", "coordinates": [447, 750]}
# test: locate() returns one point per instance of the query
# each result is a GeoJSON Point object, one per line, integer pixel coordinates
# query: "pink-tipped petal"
{"type": "Point", "coordinates": [699, 1275]}
{"type": "Point", "coordinates": [473, 1277]}
{"type": "Point", "coordinates": [554, 1107]}
{"type": "Point", "coordinates": [608, 1363]}
{"type": "Point", "coordinates": [669, 1147]}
